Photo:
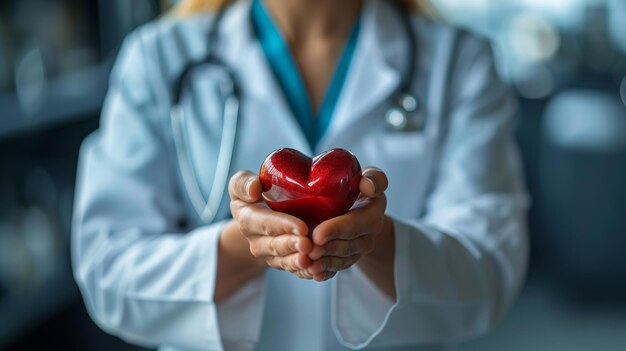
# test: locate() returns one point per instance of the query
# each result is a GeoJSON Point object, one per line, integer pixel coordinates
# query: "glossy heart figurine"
{"type": "Point", "coordinates": [313, 190]}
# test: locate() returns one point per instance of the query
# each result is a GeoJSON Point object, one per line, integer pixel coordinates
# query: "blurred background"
{"type": "Point", "coordinates": [566, 60]}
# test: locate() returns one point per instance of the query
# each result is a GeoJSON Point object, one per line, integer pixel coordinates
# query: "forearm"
{"type": "Point", "coordinates": [235, 264]}
{"type": "Point", "coordinates": [378, 265]}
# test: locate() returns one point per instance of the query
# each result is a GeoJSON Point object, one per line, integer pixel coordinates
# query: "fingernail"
{"type": "Point", "coordinates": [295, 231]}
{"type": "Point", "coordinates": [296, 244]}
{"type": "Point", "coordinates": [249, 186]}
{"type": "Point", "coordinates": [315, 235]}
{"type": "Point", "coordinates": [371, 180]}
{"type": "Point", "coordinates": [321, 253]}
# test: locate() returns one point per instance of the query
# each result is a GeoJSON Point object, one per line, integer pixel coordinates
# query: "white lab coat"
{"type": "Point", "coordinates": [455, 194]}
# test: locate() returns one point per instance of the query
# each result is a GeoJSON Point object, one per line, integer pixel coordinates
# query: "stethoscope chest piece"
{"type": "Point", "coordinates": [406, 114]}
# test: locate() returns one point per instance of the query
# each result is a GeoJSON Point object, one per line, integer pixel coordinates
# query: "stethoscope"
{"type": "Point", "coordinates": [405, 114]}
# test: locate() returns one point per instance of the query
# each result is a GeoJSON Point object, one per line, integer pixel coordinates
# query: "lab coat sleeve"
{"type": "Point", "coordinates": [460, 266]}
{"type": "Point", "coordinates": [140, 277]}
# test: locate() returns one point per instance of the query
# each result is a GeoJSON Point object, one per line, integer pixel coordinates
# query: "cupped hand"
{"type": "Point", "coordinates": [280, 239]}
{"type": "Point", "coordinates": [342, 241]}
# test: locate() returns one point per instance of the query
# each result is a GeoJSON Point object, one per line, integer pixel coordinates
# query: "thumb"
{"type": "Point", "coordinates": [245, 186]}
{"type": "Point", "coordinates": [373, 183]}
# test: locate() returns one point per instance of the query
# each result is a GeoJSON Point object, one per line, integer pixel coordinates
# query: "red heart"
{"type": "Point", "coordinates": [312, 190]}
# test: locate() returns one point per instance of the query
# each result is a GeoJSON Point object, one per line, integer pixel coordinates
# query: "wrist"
{"type": "Point", "coordinates": [235, 264]}
{"type": "Point", "coordinates": [379, 264]}
{"type": "Point", "coordinates": [235, 242]}
{"type": "Point", "coordinates": [385, 244]}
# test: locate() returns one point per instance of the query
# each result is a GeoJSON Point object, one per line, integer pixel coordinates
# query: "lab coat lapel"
{"type": "Point", "coordinates": [244, 53]}
{"type": "Point", "coordinates": [378, 61]}
{"type": "Point", "coordinates": [374, 74]}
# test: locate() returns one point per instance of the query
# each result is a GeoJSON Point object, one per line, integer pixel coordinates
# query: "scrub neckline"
{"type": "Point", "coordinates": [286, 72]}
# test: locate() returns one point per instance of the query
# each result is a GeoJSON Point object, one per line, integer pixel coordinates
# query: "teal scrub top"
{"type": "Point", "coordinates": [286, 71]}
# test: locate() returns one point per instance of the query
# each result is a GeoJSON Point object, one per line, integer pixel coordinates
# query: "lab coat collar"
{"type": "Point", "coordinates": [374, 74]}
{"type": "Point", "coordinates": [245, 54]}
{"type": "Point", "coordinates": [375, 71]}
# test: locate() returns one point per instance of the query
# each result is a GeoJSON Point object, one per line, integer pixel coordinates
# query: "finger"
{"type": "Point", "coordinates": [320, 277]}
{"type": "Point", "coordinates": [317, 252]}
{"type": "Point", "coordinates": [332, 264]}
{"type": "Point", "coordinates": [357, 222]}
{"type": "Point", "coordinates": [303, 274]}
{"type": "Point", "coordinates": [374, 182]}
{"type": "Point", "coordinates": [245, 186]}
{"type": "Point", "coordinates": [281, 245]}
{"type": "Point", "coordinates": [292, 263]}
{"type": "Point", "coordinates": [259, 220]}
{"type": "Point", "coordinates": [344, 248]}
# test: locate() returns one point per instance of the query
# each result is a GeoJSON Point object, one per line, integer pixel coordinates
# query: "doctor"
{"type": "Point", "coordinates": [435, 254]}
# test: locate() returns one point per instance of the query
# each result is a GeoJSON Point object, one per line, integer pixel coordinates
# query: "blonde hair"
{"type": "Point", "coordinates": [190, 7]}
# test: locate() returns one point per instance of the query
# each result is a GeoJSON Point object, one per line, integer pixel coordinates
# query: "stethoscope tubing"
{"type": "Point", "coordinates": [207, 209]}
